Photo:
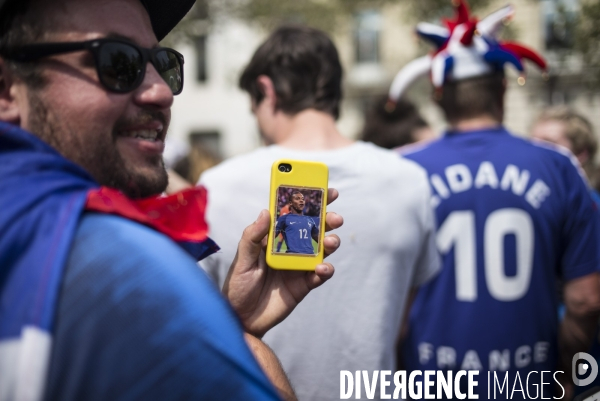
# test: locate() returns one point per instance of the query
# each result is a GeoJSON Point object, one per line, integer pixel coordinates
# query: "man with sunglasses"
{"type": "Point", "coordinates": [95, 301]}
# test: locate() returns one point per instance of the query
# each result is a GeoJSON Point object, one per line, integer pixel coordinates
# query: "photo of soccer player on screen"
{"type": "Point", "coordinates": [297, 222]}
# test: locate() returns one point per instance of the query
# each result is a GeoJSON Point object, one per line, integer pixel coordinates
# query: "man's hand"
{"type": "Point", "coordinates": [263, 297]}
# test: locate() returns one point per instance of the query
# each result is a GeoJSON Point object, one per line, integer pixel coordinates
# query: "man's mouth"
{"type": "Point", "coordinates": [147, 135]}
{"type": "Point", "coordinates": [148, 139]}
{"type": "Point", "coordinates": [153, 133]}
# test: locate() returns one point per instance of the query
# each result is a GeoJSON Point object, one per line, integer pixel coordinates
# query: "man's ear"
{"type": "Point", "coordinates": [10, 111]}
{"type": "Point", "coordinates": [268, 89]}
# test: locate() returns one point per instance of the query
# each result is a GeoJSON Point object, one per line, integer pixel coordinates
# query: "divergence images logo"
{"type": "Point", "coordinates": [580, 369]}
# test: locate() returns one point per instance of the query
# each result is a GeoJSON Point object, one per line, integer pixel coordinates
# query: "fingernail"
{"type": "Point", "coordinates": [325, 269]}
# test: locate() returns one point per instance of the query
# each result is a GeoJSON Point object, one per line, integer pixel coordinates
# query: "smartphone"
{"type": "Point", "coordinates": [297, 203]}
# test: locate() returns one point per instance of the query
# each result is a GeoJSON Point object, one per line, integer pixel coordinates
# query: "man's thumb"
{"type": "Point", "coordinates": [251, 243]}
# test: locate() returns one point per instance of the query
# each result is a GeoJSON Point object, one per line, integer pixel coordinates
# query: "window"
{"type": "Point", "coordinates": [200, 13]}
{"type": "Point", "coordinates": [366, 36]}
{"type": "Point", "coordinates": [559, 23]}
{"type": "Point", "coordinates": [201, 70]}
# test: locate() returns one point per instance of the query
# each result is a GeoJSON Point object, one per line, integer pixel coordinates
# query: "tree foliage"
{"type": "Point", "coordinates": [432, 10]}
{"type": "Point", "coordinates": [327, 14]}
{"type": "Point", "coordinates": [587, 39]}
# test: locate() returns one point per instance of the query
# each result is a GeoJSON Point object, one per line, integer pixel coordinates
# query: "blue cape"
{"type": "Point", "coordinates": [42, 197]}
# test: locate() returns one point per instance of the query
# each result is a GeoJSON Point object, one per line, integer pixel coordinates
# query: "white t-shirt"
{"type": "Point", "coordinates": [352, 322]}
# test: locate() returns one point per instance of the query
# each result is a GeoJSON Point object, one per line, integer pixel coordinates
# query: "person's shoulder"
{"type": "Point", "coordinates": [121, 255]}
{"type": "Point", "coordinates": [391, 162]}
{"type": "Point", "coordinates": [553, 156]}
{"type": "Point", "coordinates": [116, 242]}
{"type": "Point", "coordinates": [412, 154]}
{"type": "Point", "coordinates": [556, 162]}
{"type": "Point", "coordinates": [123, 230]}
{"type": "Point", "coordinates": [392, 173]}
{"type": "Point", "coordinates": [413, 149]}
{"type": "Point", "coordinates": [131, 294]}
{"type": "Point", "coordinates": [549, 149]}
{"type": "Point", "coordinates": [532, 147]}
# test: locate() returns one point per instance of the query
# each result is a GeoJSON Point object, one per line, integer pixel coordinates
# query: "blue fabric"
{"type": "Point", "coordinates": [41, 198]}
{"type": "Point", "coordinates": [595, 197]}
{"type": "Point", "coordinates": [298, 231]}
{"type": "Point", "coordinates": [492, 188]}
{"type": "Point", "coordinates": [137, 319]}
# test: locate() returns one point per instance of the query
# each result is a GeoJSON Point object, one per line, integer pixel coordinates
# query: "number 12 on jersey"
{"type": "Point", "coordinates": [459, 231]}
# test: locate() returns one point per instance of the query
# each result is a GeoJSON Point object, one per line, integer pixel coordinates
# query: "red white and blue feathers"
{"type": "Point", "coordinates": [466, 48]}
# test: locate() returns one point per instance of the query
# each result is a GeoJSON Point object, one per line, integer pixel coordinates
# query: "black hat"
{"type": "Point", "coordinates": [164, 14]}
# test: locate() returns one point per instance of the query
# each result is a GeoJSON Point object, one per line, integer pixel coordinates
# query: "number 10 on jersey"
{"type": "Point", "coordinates": [459, 231]}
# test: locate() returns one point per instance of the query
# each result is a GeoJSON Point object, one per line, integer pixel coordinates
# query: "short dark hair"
{"type": "Point", "coordinates": [304, 66]}
{"type": "Point", "coordinates": [19, 25]}
{"type": "Point", "coordinates": [473, 97]}
{"type": "Point", "coordinates": [392, 127]}
{"type": "Point", "coordinates": [294, 193]}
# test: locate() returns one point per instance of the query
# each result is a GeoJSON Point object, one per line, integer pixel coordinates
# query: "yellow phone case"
{"type": "Point", "coordinates": [310, 179]}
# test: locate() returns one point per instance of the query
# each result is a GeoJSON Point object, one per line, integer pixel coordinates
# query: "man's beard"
{"type": "Point", "coordinates": [101, 159]}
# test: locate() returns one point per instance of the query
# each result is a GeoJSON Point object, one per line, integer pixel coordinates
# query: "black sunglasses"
{"type": "Point", "coordinates": [121, 65]}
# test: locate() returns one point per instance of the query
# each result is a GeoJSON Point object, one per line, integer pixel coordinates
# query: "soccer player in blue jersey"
{"type": "Point", "coordinates": [298, 230]}
{"type": "Point", "coordinates": [515, 223]}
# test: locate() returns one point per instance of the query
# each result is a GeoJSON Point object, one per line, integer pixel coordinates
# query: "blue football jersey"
{"type": "Point", "coordinates": [298, 231]}
{"type": "Point", "coordinates": [514, 218]}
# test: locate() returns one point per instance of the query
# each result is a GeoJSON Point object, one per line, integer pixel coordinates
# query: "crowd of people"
{"type": "Point", "coordinates": [474, 251]}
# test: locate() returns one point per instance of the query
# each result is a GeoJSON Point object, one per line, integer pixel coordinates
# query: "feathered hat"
{"type": "Point", "coordinates": [466, 48]}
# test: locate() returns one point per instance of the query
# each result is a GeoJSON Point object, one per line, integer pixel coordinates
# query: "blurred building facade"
{"type": "Point", "coordinates": [374, 44]}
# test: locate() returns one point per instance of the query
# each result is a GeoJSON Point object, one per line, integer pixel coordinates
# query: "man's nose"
{"type": "Point", "coordinates": [154, 91]}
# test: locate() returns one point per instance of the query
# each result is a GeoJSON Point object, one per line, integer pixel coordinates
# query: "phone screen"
{"type": "Point", "coordinates": [297, 221]}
